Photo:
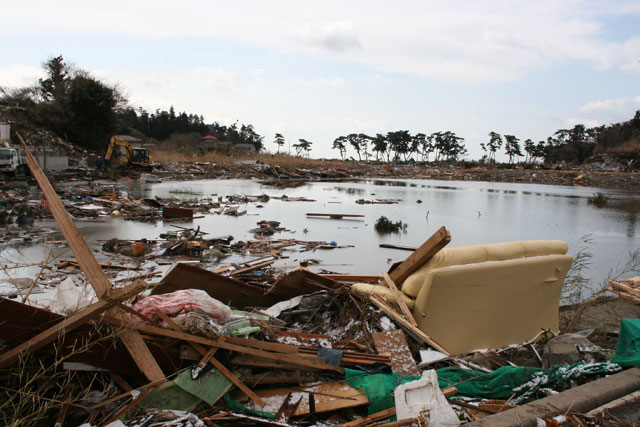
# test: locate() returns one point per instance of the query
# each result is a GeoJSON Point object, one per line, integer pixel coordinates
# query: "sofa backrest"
{"type": "Point", "coordinates": [491, 304]}
{"type": "Point", "coordinates": [481, 253]}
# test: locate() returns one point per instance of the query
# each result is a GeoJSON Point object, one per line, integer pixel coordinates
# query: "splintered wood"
{"type": "Point", "coordinates": [395, 343]}
{"type": "Point", "coordinates": [629, 289]}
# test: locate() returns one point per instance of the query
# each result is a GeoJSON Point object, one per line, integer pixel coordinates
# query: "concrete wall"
{"type": "Point", "coordinates": [56, 161]}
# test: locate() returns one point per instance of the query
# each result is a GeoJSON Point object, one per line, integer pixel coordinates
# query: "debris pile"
{"type": "Point", "coordinates": [247, 344]}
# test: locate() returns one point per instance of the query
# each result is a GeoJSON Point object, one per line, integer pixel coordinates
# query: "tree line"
{"type": "Point", "coordinates": [566, 145]}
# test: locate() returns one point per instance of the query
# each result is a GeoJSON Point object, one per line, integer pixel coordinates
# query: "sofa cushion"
{"type": "Point", "coordinates": [383, 291]}
{"type": "Point", "coordinates": [481, 253]}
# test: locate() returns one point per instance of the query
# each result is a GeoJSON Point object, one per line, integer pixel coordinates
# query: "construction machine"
{"type": "Point", "coordinates": [136, 157]}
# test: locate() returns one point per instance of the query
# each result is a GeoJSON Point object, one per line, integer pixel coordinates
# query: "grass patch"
{"type": "Point", "coordinates": [385, 225]}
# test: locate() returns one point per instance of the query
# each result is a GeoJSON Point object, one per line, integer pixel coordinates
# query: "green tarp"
{"type": "Point", "coordinates": [499, 384]}
{"type": "Point", "coordinates": [628, 349]}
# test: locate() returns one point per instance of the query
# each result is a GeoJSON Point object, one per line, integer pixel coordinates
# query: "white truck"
{"type": "Point", "coordinates": [12, 161]}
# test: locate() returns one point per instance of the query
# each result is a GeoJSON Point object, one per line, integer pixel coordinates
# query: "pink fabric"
{"type": "Point", "coordinates": [182, 302]}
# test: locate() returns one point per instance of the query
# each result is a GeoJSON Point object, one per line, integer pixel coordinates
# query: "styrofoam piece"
{"type": "Point", "coordinates": [423, 398]}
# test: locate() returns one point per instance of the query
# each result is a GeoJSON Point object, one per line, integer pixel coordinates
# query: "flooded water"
{"type": "Point", "coordinates": [474, 213]}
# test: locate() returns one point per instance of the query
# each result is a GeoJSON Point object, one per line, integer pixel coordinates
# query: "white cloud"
{"type": "Point", "coordinates": [336, 37]}
{"type": "Point", "coordinates": [607, 111]}
{"type": "Point", "coordinates": [17, 75]}
{"type": "Point", "coordinates": [193, 87]}
{"type": "Point", "coordinates": [322, 82]}
{"type": "Point", "coordinates": [464, 40]}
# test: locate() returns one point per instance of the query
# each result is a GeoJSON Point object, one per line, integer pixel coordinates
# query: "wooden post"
{"type": "Point", "coordinates": [424, 253]}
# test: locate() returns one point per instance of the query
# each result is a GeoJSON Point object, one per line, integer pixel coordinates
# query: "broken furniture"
{"type": "Point", "coordinates": [485, 296]}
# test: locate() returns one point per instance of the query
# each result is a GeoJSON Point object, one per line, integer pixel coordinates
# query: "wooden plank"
{"type": "Point", "coordinates": [90, 267]}
{"type": "Point", "coordinates": [397, 317]}
{"type": "Point", "coordinates": [140, 353]}
{"type": "Point", "coordinates": [51, 334]}
{"type": "Point", "coordinates": [399, 299]}
{"type": "Point", "coordinates": [395, 343]}
{"type": "Point", "coordinates": [68, 324]}
{"type": "Point", "coordinates": [264, 345]}
{"type": "Point", "coordinates": [79, 247]}
{"type": "Point", "coordinates": [424, 253]}
{"type": "Point", "coordinates": [311, 362]}
{"type": "Point", "coordinates": [226, 289]}
{"type": "Point", "coordinates": [328, 397]}
{"type": "Point", "coordinates": [299, 339]}
{"type": "Point", "coordinates": [21, 322]}
{"type": "Point", "coordinates": [336, 216]}
{"type": "Point", "coordinates": [219, 366]}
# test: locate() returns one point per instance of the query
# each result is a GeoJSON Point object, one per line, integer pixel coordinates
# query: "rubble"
{"type": "Point", "coordinates": [246, 343]}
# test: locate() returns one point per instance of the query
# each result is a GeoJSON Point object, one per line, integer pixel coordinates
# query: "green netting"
{"type": "Point", "coordinates": [237, 406]}
{"type": "Point", "coordinates": [628, 349]}
{"type": "Point", "coordinates": [378, 387]}
{"type": "Point", "coordinates": [499, 384]}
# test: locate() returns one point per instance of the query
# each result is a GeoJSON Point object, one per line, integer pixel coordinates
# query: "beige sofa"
{"type": "Point", "coordinates": [486, 296]}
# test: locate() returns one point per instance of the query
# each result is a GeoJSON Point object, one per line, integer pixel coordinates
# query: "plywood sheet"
{"type": "Point", "coordinates": [395, 343]}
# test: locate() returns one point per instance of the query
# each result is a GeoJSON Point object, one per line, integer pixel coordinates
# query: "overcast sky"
{"type": "Point", "coordinates": [318, 70]}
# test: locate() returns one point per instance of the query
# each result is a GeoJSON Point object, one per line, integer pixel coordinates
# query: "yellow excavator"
{"type": "Point", "coordinates": [136, 157]}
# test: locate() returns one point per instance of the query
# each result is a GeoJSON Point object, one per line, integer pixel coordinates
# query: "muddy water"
{"type": "Point", "coordinates": [474, 213]}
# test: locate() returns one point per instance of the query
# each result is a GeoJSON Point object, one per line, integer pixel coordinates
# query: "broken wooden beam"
{"type": "Point", "coordinates": [399, 299]}
{"type": "Point", "coordinates": [311, 362]}
{"type": "Point", "coordinates": [413, 331]}
{"type": "Point", "coordinates": [89, 266]}
{"type": "Point", "coordinates": [420, 256]}
{"type": "Point", "coordinates": [51, 334]}
{"type": "Point", "coordinates": [70, 323]}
